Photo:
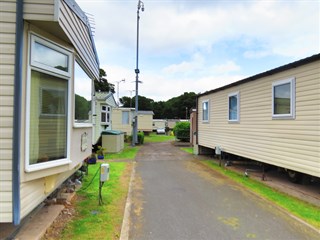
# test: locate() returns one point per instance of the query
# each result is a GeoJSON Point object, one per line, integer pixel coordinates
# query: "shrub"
{"type": "Point", "coordinates": [182, 131]}
{"type": "Point", "coordinates": [140, 137]}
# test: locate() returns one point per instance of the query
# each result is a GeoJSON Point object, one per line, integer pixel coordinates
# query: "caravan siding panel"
{"type": "Point", "coordinates": [77, 32]}
{"type": "Point", "coordinates": [7, 51]}
{"type": "Point", "coordinates": [289, 143]}
{"type": "Point", "coordinates": [145, 122]}
{"type": "Point", "coordinates": [39, 10]}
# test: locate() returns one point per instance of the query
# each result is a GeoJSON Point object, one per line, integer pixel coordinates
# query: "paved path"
{"type": "Point", "coordinates": [175, 197]}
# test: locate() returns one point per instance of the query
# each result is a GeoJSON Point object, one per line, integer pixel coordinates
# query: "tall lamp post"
{"type": "Point", "coordinates": [131, 91]}
{"type": "Point", "coordinates": [123, 80]}
{"type": "Point", "coordinates": [137, 71]}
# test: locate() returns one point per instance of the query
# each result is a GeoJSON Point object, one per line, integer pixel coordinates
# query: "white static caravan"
{"type": "Point", "coordinates": [159, 123]}
{"type": "Point", "coordinates": [272, 117]}
{"type": "Point", "coordinates": [41, 145]}
{"type": "Point", "coordinates": [103, 103]}
{"type": "Point", "coordinates": [122, 120]}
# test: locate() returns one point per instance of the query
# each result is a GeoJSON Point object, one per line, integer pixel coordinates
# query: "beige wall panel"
{"type": "Point", "coordinates": [69, 22]}
{"type": "Point", "coordinates": [5, 144]}
{"type": "Point", "coordinates": [6, 100]}
{"type": "Point", "coordinates": [7, 69]}
{"type": "Point", "coordinates": [7, 17]}
{"type": "Point", "coordinates": [6, 49]}
{"type": "Point", "coordinates": [78, 156]}
{"type": "Point", "coordinates": [5, 175]}
{"type": "Point", "coordinates": [5, 154]}
{"type": "Point", "coordinates": [7, 6]}
{"type": "Point", "coordinates": [8, 27]}
{"type": "Point", "coordinates": [39, 10]}
{"type": "Point", "coordinates": [6, 217]}
{"type": "Point", "coordinates": [6, 197]}
{"type": "Point", "coordinates": [6, 122]}
{"type": "Point", "coordinates": [6, 186]}
{"type": "Point", "coordinates": [5, 165]}
{"type": "Point", "coordinates": [6, 111]}
{"type": "Point", "coordinates": [6, 208]}
{"type": "Point", "coordinates": [6, 90]}
{"type": "Point", "coordinates": [7, 38]}
{"type": "Point", "coordinates": [31, 194]}
{"type": "Point", "coordinates": [6, 80]}
{"type": "Point", "coordinates": [288, 143]}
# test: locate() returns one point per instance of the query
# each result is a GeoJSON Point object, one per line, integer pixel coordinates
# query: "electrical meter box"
{"type": "Point", "coordinates": [104, 172]}
{"type": "Point", "coordinates": [218, 150]}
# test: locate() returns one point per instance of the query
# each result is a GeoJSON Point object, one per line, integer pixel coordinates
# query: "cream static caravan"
{"type": "Point", "coordinates": [272, 117]}
{"type": "Point", "coordinates": [41, 143]}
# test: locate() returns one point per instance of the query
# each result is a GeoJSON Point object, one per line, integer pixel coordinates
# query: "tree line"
{"type": "Point", "coordinates": [175, 108]}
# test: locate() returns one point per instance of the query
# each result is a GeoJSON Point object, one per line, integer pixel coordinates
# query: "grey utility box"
{"type": "Point", "coordinates": [112, 141]}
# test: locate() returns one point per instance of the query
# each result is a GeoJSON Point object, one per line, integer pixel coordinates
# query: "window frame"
{"type": "Point", "coordinates": [208, 115]}
{"type": "Point", "coordinates": [35, 66]}
{"type": "Point", "coordinates": [292, 113]}
{"type": "Point", "coordinates": [237, 94]}
{"type": "Point", "coordinates": [90, 118]}
{"type": "Point", "coordinates": [54, 46]}
{"type": "Point", "coordinates": [107, 112]}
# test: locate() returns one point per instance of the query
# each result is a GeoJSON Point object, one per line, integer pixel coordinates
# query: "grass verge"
{"type": "Point", "coordinates": [187, 149]}
{"type": "Point", "coordinates": [302, 210]}
{"type": "Point", "coordinates": [158, 138]}
{"type": "Point", "coordinates": [127, 153]}
{"type": "Point", "coordinates": [94, 221]}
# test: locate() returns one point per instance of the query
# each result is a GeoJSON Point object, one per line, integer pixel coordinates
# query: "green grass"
{"type": "Point", "coordinates": [153, 137]}
{"type": "Point", "coordinates": [187, 149]}
{"type": "Point", "coordinates": [303, 210]}
{"type": "Point", "coordinates": [93, 221]}
{"type": "Point", "coordinates": [127, 153]}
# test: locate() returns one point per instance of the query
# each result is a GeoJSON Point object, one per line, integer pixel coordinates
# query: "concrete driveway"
{"type": "Point", "coordinates": [175, 197]}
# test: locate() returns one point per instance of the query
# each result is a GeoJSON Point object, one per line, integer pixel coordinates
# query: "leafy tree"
{"type": "Point", "coordinates": [143, 102]}
{"type": "Point", "coordinates": [174, 108]}
{"type": "Point", "coordinates": [178, 107]}
{"type": "Point", "coordinates": [102, 84]}
{"type": "Point", "coordinates": [126, 101]}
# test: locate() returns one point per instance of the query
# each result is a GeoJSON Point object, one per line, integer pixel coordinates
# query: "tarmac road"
{"type": "Point", "coordinates": [175, 197]}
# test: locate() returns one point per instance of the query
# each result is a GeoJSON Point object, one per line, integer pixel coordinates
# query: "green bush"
{"type": "Point", "coordinates": [141, 137]}
{"type": "Point", "coordinates": [182, 131]}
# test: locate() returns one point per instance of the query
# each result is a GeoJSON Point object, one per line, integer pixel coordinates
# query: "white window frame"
{"type": "Point", "coordinates": [107, 112]}
{"type": "Point", "coordinates": [208, 104]}
{"type": "Point", "coordinates": [236, 94]}
{"type": "Point", "coordinates": [53, 46]}
{"type": "Point", "coordinates": [32, 65]}
{"type": "Point", "coordinates": [292, 113]}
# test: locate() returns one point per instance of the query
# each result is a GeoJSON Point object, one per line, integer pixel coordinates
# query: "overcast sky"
{"type": "Point", "coordinates": [199, 45]}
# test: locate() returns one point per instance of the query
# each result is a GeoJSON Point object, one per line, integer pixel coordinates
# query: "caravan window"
{"type": "Point", "coordinates": [48, 100]}
{"type": "Point", "coordinates": [283, 99]}
{"type": "Point", "coordinates": [205, 111]}
{"type": "Point", "coordinates": [105, 114]}
{"type": "Point", "coordinates": [82, 97]}
{"type": "Point", "coordinates": [234, 107]}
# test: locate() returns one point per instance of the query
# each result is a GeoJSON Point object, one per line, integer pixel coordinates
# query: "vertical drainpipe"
{"type": "Point", "coordinates": [17, 114]}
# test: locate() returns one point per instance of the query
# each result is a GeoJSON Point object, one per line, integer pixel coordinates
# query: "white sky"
{"type": "Point", "coordinates": [199, 45]}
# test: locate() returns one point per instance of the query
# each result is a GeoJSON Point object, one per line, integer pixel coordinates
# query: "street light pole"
{"type": "Point", "coordinates": [137, 71]}
{"type": "Point", "coordinates": [131, 97]}
{"type": "Point", "coordinates": [123, 80]}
